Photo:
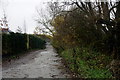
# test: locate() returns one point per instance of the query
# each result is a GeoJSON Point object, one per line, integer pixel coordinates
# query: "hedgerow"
{"type": "Point", "coordinates": [15, 43]}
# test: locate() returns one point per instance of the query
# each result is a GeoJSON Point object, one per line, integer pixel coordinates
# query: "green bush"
{"type": "Point", "coordinates": [6, 44]}
{"type": "Point", "coordinates": [14, 43]}
{"type": "Point", "coordinates": [36, 42]}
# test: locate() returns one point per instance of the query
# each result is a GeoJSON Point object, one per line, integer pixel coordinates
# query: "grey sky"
{"type": "Point", "coordinates": [18, 10]}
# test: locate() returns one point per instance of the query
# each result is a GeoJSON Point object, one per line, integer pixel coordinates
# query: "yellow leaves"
{"type": "Point", "coordinates": [58, 21]}
{"type": "Point", "coordinates": [101, 65]}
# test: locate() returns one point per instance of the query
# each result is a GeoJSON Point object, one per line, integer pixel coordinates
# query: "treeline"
{"type": "Point", "coordinates": [87, 36]}
{"type": "Point", "coordinates": [15, 43]}
{"type": "Point", "coordinates": [89, 25]}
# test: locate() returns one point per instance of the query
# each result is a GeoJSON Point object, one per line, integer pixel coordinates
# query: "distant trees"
{"type": "Point", "coordinates": [37, 30]}
{"type": "Point", "coordinates": [19, 30]}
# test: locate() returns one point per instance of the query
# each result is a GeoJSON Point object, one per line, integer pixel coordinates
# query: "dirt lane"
{"type": "Point", "coordinates": [42, 63]}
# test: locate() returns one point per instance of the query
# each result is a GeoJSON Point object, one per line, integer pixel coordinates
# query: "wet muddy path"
{"type": "Point", "coordinates": [38, 64]}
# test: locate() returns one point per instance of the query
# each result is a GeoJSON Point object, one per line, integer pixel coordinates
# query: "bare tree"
{"type": "Point", "coordinates": [19, 30]}
{"type": "Point", "coordinates": [44, 20]}
{"type": "Point", "coordinates": [53, 9]}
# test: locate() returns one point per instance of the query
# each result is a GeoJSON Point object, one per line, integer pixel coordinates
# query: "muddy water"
{"type": "Point", "coordinates": [38, 64]}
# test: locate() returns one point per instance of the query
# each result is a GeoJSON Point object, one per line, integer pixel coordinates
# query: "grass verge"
{"type": "Point", "coordinates": [87, 63]}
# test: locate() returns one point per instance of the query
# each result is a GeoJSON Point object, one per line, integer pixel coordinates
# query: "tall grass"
{"type": "Point", "coordinates": [87, 63]}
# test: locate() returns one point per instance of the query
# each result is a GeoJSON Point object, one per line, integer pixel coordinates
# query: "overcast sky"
{"type": "Point", "coordinates": [19, 10]}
